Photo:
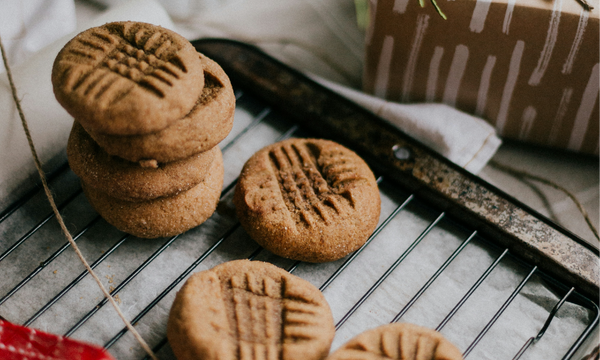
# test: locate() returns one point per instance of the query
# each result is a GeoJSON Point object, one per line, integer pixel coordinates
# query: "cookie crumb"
{"type": "Point", "coordinates": [149, 163]}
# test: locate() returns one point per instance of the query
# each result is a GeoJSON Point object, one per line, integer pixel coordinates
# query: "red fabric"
{"type": "Point", "coordinates": [23, 343]}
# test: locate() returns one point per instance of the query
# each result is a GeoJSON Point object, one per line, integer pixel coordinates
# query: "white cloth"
{"type": "Point", "coordinates": [179, 9]}
{"type": "Point", "coordinates": [462, 138]}
{"type": "Point", "coordinates": [27, 27]}
{"type": "Point", "coordinates": [316, 36]}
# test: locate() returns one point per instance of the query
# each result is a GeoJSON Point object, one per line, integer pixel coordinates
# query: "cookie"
{"type": "Point", "coordinates": [307, 199]}
{"type": "Point", "coordinates": [126, 180]}
{"type": "Point", "coordinates": [164, 216]}
{"type": "Point", "coordinates": [243, 310]}
{"type": "Point", "coordinates": [209, 122]}
{"type": "Point", "coordinates": [127, 78]}
{"type": "Point", "coordinates": [398, 341]}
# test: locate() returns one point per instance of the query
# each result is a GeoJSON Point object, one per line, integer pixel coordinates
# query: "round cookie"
{"type": "Point", "coordinates": [249, 310]}
{"type": "Point", "coordinates": [126, 180]}
{"type": "Point", "coordinates": [165, 216]}
{"type": "Point", "coordinates": [398, 341]}
{"type": "Point", "coordinates": [209, 122]}
{"type": "Point", "coordinates": [127, 78]}
{"type": "Point", "coordinates": [307, 199]}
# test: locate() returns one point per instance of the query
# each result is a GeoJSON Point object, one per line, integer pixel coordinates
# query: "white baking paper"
{"type": "Point", "coordinates": [255, 127]}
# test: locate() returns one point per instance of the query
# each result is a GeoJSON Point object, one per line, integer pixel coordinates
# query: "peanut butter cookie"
{"type": "Point", "coordinates": [127, 78]}
{"type": "Point", "coordinates": [398, 341]}
{"type": "Point", "coordinates": [127, 180]}
{"type": "Point", "coordinates": [249, 310]}
{"type": "Point", "coordinates": [209, 122]}
{"type": "Point", "coordinates": [307, 199]}
{"type": "Point", "coordinates": [164, 216]}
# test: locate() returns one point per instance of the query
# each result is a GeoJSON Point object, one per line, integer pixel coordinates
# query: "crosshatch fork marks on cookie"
{"type": "Point", "coordinates": [393, 345]}
{"type": "Point", "coordinates": [265, 316]}
{"type": "Point", "coordinates": [312, 184]}
{"type": "Point", "coordinates": [256, 317]}
{"type": "Point", "coordinates": [147, 59]}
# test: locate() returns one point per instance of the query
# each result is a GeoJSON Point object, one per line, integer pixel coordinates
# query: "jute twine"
{"type": "Point", "coordinates": [61, 222]}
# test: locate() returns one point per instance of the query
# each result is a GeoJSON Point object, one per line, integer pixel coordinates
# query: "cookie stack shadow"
{"type": "Point", "coordinates": [149, 113]}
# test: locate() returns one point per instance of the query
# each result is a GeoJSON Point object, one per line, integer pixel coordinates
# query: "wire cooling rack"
{"type": "Point", "coordinates": [430, 261]}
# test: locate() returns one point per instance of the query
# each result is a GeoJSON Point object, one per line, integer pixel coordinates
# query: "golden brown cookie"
{"type": "Point", "coordinates": [127, 78]}
{"type": "Point", "coordinates": [398, 341]}
{"type": "Point", "coordinates": [249, 310]}
{"type": "Point", "coordinates": [126, 180]}
{"type": "Point", "coordinates": [307, 199]}
{"type": "Point", "coordinates": [209, 122]}
{"type": "Point", "coordinates": [164, 216]}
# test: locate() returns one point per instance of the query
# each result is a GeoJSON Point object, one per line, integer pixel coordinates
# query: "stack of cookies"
{"type": "Point", "coordinates": [149, 112]}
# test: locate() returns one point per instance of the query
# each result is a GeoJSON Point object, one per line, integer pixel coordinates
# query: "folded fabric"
{"type": "Point", "coordinates": [49, 123]}
{"type": "Point", "coordinates": [28, 26]}
{"type": "Point", "coordinates": [321, 37]}
{"type": "Point", "coordinates": [466, 140]}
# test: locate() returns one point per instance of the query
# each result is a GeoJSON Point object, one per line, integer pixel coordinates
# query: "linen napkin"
{"type": "Point", "coordinates": [466, 140]}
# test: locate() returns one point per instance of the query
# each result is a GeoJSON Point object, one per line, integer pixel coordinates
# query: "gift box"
{"type": "Point", "coordinates": [528, 67]}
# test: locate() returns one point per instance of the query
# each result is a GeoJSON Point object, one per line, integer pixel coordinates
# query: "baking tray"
{"type": "Point", "coordinates": [437, 220]}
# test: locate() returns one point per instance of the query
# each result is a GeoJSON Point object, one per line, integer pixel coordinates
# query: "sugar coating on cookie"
{"type": "Point", "coordinates": [249, 310]}
{"type": "Point", "coordinates": [126, 78]}
{"type": "Point", "coordinates": [398, 341]}
{"type": "Point", "coordinates": [127, 180]}
{"type": "Point", "coordinates": [207, 124]}
{"type": "Point", "coordinates": [307, 199]}
{"type": "Point", "coordinates": [164, 216]}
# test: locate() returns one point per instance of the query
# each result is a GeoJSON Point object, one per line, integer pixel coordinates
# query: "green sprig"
{"type": "Point", "coordinates": [437, 8]}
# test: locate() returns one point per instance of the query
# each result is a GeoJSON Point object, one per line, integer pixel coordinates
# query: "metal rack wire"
{"type": "Point", "coordinates": [25, 271]}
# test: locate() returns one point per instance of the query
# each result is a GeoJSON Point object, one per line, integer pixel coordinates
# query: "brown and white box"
{"type": "Point", "coordinates": [529, 67]}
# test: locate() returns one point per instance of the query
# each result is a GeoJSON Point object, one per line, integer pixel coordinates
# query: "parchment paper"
{"type": "Point", "coordinates": [522, 319]}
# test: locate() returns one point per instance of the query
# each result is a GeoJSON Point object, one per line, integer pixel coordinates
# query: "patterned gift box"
{"type": "Point", "coordinates": [529, 67]}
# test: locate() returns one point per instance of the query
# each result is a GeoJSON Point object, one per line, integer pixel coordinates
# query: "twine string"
{"type": "Point", "coordinates": [523, 174]}
{"type": "Point", "coordinates": [61, 222]}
